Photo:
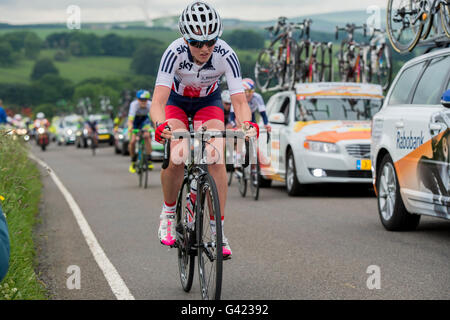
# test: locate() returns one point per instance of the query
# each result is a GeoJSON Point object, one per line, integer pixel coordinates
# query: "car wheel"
{"type": "Point", "coordinates": [293, 186]}
{"type": "Point", "coordinates": [392, 211]}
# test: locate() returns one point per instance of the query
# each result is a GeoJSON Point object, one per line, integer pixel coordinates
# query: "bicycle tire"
{"type": "Point", "coordinates": [428, 24]}
{"type": "Point", "coordinates": [230, 177]}
{"type": "Point", "coordinates": [210, 250]}
{"type": "Point", "coordinates": [254, 181]}
{"type": "Point", "coordinates": [301, 61]}
{"type": "Point", "coordinates": [139, 167]}
{"type": "Point", "coordinates": [445, 18]}
{"type": "Point", "coordinates": [242, 182]}
{"type": "Point", "coordinates": [417, 32]}
{"type": "Point", "coordinates": [145, 168]}
{"type": "Point", "coordinates": [327, 63]}
{"type": "Point", "coordinates": [289, 69]}
{"type": "Point", "coordinates": [385, 74]}
{"type": "Point", "coordinates": [185, 240]}
{"type": "Point", "coordinates": [342, 64]}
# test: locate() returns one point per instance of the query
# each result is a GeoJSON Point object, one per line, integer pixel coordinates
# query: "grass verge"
{"type": "Point", "coordinates": [20, 185]}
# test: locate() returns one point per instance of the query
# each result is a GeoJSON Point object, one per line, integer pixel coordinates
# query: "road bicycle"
{"type": "Point", "coordinates": [93, 142]}
{"type": "Point", "coordinates": [314, 60]}
{"type": "Point", "coordinates": [142, 160]}
{"type": "Point", "coordinates": [199, 235]}
{"type": "Point", "coordinates": [275, 67]}
{"type": "Point", "coordinates": [408, 22]}
{"type": "Point", "coordinates": [378, 59]}
{"type": "Point", "coordinates": [249, 175]}
{"type": "Point", "coordinates": [351, 62]}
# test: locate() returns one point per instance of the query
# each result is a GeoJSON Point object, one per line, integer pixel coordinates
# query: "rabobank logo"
{"type": "Point", "coordinates": [410, 141]}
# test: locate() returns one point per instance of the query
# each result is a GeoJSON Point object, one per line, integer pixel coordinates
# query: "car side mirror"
{"type": "Point", "coordinates": [278, 118]}
{"type": "Point", "coordinates": [445, 100]}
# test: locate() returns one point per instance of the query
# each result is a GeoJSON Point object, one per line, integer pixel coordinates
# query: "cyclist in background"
{"type": "Point", "coordinates": [41, 121]}
{"type": "Point", "coordinates": [226, 100]}
{"type": "Point", "coordinates": [3, 115]}
{"type": "Point", "coordinates": [187, 85]}
{"type": "Point", "coordinates": [91, 126]}
{"type": "Point", "coordinates": [139, 118]}
{"type": "Point", "coordinates": [255, 102]}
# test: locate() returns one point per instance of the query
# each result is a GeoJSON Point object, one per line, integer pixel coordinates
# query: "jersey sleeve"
{"type": "Point", "coordinates": [132, 111]}
{"type": "Point", "coordinates": [260, 102]}
{"type": "Point", "coordinates": [233, 72]}
{"type": "Point", "coordinates": [167, 68]}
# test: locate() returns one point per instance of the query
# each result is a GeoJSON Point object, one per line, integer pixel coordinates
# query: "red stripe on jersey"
{"type": "Point", "coordinates": [192, 92]}
{"type": "Point", "coordinates": [212, 89]}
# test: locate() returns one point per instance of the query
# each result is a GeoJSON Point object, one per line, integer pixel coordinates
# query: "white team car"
{"type": "Point", "coordinates": [411, 143]}
{"type": "Point", "coordinates": [320, 134]}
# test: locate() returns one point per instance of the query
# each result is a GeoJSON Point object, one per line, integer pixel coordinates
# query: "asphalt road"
{"type": "Point", "coordinates": [317, 246]}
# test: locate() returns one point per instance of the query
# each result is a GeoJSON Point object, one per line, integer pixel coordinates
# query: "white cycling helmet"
{"type": "Point", "coordinates": [40, 115]}
{"type": "Point", "coordinates": [226, 98]}
{"type": "Point", "coordinates": [201, 22]}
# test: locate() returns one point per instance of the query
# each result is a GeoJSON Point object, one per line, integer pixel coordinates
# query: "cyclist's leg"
{"type": "Point", "coordinates": [172, 176]}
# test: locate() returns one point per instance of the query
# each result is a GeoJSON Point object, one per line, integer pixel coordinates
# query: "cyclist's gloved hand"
{"type": "Point", "coordinates": [159, 130]}
{"type": "Point", "coordinates": [248, 125]}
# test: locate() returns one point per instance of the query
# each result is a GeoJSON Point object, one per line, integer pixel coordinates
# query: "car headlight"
{"type": "Point", "coordinates": [120, 136]}
{"type": "Point", "coordinates": [41, 130]}
{"type": "Point", "coordinates": [69, 132]}
{"type": "Point", "coordinates": [318, 146]}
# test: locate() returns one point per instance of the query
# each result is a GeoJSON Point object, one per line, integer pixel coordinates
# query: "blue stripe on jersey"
{"type": "Point", "coordinates": [232, 67]}
{"type": "Point", "coordinates": [165, 59]}
{"type": "Point", "coordinates": [236, 63]}
{"type": "Point", "coordinates": [173, 62]}
{"type": "Point", "coordinates": [169, 61]}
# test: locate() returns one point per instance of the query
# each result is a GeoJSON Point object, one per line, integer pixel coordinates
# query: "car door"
{"type": "Point", "coordinates": [424, 170]}
{"type": "Point", "coordinates": [281, 104]}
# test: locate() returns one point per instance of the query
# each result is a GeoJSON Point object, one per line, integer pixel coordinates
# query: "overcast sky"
{"type": "Point", "coordinates": [40, 11]}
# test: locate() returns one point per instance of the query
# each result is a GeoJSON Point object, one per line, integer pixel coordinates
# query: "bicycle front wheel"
{"type": "Point", "coordinates": [254, 180]}
{"type": "Point", "coordinates": [185, 239]}
{"type": "Point", "coordinates": [209, 239]}
{"type": "Point", "coordinates": [242, 180]}
{"type": "Point", "coordinates": [404, 24]}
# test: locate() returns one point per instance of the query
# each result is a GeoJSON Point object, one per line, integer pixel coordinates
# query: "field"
{"type": "Point", "coordinates": [76, 69]}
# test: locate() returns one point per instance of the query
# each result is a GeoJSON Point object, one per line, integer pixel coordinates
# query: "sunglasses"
{"type": "Point", "coordinates": [200, 44]}
{"type": "Point", "coordinates": [142, 99]}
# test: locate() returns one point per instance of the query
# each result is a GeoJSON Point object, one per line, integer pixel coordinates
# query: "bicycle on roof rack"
{"type": "Point", "coordinates": [378, 59]}
{"type": "Point", "coordinates": [314, 60]}
{"type": "Point", "coordinates": [351, 61]}
{"type": "Point", "coordinates": [408, 22]}
{"type": "Point", "coordinates": [275, 66]}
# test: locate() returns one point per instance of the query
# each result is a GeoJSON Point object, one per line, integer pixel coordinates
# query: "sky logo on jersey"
{"type": "Point", "coordinates": [410, 141]}
{"type": "Point", "coordinates": [182, 48]}
{"type": "Point", "coordinates": [185, 65]}
{"type": "Point", "coordinates": [220, 50]}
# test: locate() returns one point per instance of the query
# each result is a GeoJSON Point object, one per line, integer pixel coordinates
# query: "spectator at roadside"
{"type": "Point", "coordinates": [2, 113]}
{"type": "Point", "coordinates": [4, 245]}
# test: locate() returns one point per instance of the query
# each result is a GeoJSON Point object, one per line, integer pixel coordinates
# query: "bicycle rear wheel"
{"type": "Point", "coordinates": [265, 69]}
{"type": "Point", "coordinates": [384, 68]}
{"type": "Point", "coordinates": [210, 246]}
{"type": "Point", "coordinates": [185, 240]}
{"type": "Point", "coordinates": [404, 26]}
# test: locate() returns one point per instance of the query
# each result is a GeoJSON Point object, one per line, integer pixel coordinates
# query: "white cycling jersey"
{"type": "Point", "coordinates": [136, 110]}
{"type": "Point", "coordinates": [256, 103]}
{"type": "Point", "coordinates": [178, 71]}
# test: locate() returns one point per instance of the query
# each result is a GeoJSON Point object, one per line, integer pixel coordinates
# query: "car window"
{"type": "Point", "coordinates": [337, 109]}
{"type": "Point", "coordinates": [429, 88]}
{"type": "Point", "coordinates": [285, 107]}
{"type": "Point", "coordinates": [404, 85]}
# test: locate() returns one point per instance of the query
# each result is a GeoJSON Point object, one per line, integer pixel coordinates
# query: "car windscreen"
{"type": "Point", "coordinates": [70, 123]}
{"type": "Point", "coordinates": [337, 109]}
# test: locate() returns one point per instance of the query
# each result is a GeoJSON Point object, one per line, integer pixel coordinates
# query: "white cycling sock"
{"type": "Point", "coordinates": [169, 208]}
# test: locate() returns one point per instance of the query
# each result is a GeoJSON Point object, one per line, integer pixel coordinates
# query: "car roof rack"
{"type": "Point", "coordinates": [436, 42]}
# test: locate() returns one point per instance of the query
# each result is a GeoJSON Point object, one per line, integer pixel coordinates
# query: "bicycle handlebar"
{"type": "Point", "coordinates": [204, 136]}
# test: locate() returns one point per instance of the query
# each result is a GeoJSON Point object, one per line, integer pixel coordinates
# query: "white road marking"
{"type": "Point", "coordinates": [113, 278]}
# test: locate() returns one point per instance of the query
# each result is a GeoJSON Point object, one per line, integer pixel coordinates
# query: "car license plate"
{"type": "Point", "coordinates": [363, 164]}
{"type": "Point", "coordinates": [103, 136]}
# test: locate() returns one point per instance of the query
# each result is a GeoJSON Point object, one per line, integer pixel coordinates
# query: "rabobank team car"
{"type": "Point", "coordinates": [411, 143]}
{"type": "Point", "coordinates": [320, 134]}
